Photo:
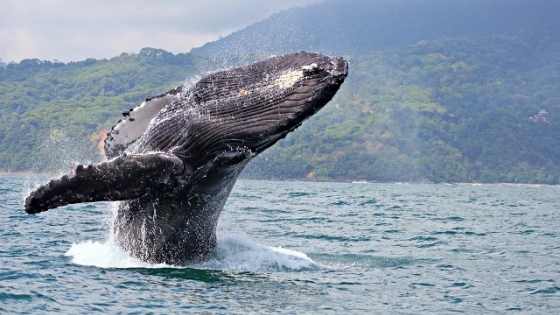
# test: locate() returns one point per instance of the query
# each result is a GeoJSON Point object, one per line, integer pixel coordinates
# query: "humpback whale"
{"type": "Point", "coordinates": [173, 160]}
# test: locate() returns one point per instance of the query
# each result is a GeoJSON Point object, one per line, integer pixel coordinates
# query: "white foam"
{"type": "Point", "coordinates": [234, 253]}
{"type": "Point", "coordinates": [104, 255]}
{"type": "Point", "coordinates": [238, 253]}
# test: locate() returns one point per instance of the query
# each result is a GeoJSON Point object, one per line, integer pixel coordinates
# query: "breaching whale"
{"type": "Point", "coordinates": [173, 160]}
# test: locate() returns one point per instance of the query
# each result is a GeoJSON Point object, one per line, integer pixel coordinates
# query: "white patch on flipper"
{"type": "Point", "coordinates": [136, 122]}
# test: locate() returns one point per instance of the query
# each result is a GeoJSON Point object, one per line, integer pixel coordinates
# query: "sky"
{"type": "Point", "coordinates": [74, 30]}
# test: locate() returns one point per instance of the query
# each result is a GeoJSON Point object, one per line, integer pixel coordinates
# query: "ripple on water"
{"type": "Point", "coordinates": [363, 261]}
{"type": "Point", "coordinates": [298, 194]}
{"type": "Point", "coordinates": [338, 248]}
{"type": "Point", "coordinates": [18, 298]}
{"type": "Point", "coordinates": [340, 203]}
{"type": "Point", "coordinates": [547, 291]}
{"type": "Point", "coordinates": [368, 202]}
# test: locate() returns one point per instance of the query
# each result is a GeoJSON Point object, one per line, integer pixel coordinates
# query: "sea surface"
{"type": "Point", "coordinates": [299, 248]}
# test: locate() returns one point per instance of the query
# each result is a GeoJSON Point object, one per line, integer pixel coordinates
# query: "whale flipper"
{"type": "Point", "coordinates": [123, 178]}
{"type": "Point", "coordinates": [136, 122]}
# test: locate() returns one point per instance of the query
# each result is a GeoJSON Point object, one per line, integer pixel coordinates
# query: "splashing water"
{"type": "Point", "coordinates": [103, 255]}
{"type": "Point", "coordinates": [234, 253]}
{"type": "Point", "coordinates": [238, 253]}
{"type": "Point", "coordinates": [60, 153]}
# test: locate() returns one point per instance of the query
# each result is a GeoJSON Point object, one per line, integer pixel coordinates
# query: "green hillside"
{"type": "Point", "coordinates": [475, 99]}
{"type": "Point", "coordinates": [52, 114]}
{"type": "Point", "coordinates": [452, 110]}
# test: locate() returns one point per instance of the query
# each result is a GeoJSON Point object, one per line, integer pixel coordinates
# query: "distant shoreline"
{"type": "Point", "coordinates": [358, 182]}
{"type": "Point", "coordinates": [361, 182]}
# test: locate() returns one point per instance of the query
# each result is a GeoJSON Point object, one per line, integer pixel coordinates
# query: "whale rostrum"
{"type": "Point", "coordinates": [190, 145]}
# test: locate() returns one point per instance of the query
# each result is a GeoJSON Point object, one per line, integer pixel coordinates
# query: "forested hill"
{"type": "Point", "coordinates": [483, 109]}
{"type": "Point", "coordinates": [53, 114]}
{"type": "Point", "coordinates": [447, 104]}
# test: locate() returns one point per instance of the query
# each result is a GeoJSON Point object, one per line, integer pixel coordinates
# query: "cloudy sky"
{"type": "Point", "coordinates": [73, 30]}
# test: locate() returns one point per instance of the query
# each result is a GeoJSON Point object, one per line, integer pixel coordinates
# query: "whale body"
{"type": "Point", "coordinates": [173, 160]}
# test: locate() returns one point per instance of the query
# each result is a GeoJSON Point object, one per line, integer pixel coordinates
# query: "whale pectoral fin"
{"type": "Point", "coordinates": [136, 122]}
{"type": "Point", "coordinates": [125, 177]}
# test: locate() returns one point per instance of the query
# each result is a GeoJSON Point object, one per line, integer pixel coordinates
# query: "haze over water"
{"type": "Point", "coordinates": [297, 248]}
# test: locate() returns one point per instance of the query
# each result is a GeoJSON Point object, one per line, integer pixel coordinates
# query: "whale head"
{"type": "Point", "coordinates": [287, 94]}
{"type": "Point", "coordinates": [235, 113]}
{"type": "Point", "coordinates": [241, 112]}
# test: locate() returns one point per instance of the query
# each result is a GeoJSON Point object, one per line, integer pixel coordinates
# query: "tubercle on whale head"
{"type": "Point", "coordinates": [332, 72]}
{"type": "Point", "coordinates": [340, 71]}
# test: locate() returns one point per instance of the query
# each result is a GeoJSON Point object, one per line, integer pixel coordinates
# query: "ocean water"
{"type": "Point", "coordinates": [300, 248]}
